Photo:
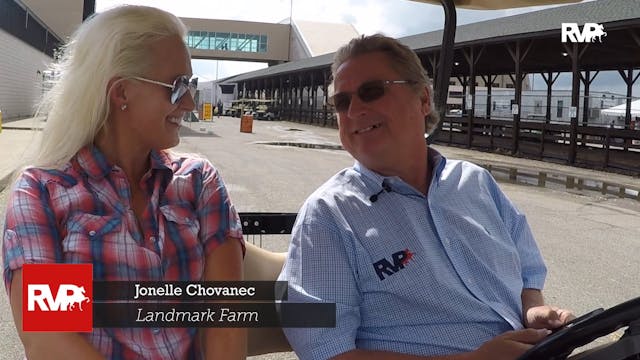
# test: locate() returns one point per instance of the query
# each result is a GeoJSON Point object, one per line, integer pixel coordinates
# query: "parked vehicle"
{"type": "Point", "coordinates": [259, 108]}
{"type": "Point", "coordinates": [240, 107]}
{"type": "Point", "coordinates": [266, 110]}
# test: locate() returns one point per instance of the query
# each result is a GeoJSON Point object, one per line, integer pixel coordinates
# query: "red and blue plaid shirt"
{"type": "Point", "coordinates": [82, 213]}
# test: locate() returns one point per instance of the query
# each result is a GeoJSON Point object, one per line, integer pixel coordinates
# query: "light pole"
{"type": "Point", "coordinates": [216, 86]}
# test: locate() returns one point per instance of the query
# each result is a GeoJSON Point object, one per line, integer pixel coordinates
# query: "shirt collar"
{"type": "Point", "coordinates": [96, 165]}
{"type": "Point", "coordinates": [371, 176]}
{"type": "Point", "coordinates": [435, 161]}
{"type": "Point", "coordinates": [93, 162]}
{"type": "Point", "coordinates": [160, 160]}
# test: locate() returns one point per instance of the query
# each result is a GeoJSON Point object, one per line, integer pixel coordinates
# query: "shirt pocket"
{"type": "Point", "coordinates": [182, 245]}
{"type": "Point", "coordinates": [89, 236]}
{"type": "Point", "coordinates": [181, 219]}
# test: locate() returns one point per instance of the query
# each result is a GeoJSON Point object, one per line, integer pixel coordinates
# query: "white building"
{"type": "Point", "coordinates": [534, 104]}
{"type": "Point", "coordinates": [308, 39]}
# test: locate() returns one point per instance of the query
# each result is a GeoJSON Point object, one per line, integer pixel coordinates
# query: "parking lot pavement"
{"type": "Point", "coordinates": [589, 239]}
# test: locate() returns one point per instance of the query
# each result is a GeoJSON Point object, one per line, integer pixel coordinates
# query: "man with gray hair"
{"type": "Point", "coordinates": [424, 256]}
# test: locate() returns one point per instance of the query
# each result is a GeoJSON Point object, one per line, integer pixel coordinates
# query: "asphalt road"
{"type": "Point", "coordinates": [590, 241]}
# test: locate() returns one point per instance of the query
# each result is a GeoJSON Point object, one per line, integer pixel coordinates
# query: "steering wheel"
{"type": "Point", "coordinates": [586, 328]}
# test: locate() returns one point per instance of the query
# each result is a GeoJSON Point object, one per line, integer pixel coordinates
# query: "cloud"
{"type": "Point", "coordinates": [394, 18]}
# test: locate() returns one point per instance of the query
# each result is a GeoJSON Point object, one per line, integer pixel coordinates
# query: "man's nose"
{"type": "Point", "coordinates": [357, 107]}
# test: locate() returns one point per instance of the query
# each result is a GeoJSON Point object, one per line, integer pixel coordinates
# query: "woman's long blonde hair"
{"type": "Point", "coordinates": [114, 43]}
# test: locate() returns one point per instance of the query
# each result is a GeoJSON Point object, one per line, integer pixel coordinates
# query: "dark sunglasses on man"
{"type": "Point", "coordinates": [367, 92]}
{"type": "Point", "coordinates": [179, 87]}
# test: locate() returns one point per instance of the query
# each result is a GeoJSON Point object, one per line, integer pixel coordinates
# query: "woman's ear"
{"type": "Point", "coordinates": [117, 93]}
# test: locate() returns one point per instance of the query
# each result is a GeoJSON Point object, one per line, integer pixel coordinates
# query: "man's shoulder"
{"type": "Point", "coordinates": [464, 165]}
{"type": "Point", "coordinates": [345, 179]}
{"type": "Point", "coordinates": [463, 168]}
{"type": "Point", "coordinates": [464, 175]}
{"type": "Point", "coordinates": [341, 189]}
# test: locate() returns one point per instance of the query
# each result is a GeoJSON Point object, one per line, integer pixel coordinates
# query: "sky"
{"type": "Point", "coordinates": [395, 18]}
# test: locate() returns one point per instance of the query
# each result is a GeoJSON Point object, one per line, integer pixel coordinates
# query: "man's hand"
{"type": "Point", "coordinates": [510, 345]}
{"type": "Point", "coordinates": [547, 317]}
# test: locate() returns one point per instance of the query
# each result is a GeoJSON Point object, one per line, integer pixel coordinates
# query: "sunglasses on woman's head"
{"type": "Point", "coordinates": [367, 92]}
{"type": "Point", "coordinates": [179, 87]}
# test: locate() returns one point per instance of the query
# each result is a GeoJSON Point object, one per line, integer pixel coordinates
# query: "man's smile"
{"type": "Point", "coordinates": [368, 128]}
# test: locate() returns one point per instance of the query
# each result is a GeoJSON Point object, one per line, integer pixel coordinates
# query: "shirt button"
{"type": "Point", "coordinates": [155, 331]}
{"type": "Point", "coordinates": [153, 238]}
{"type": "Point", "coordinates": [187, 219]}
{"type": "Point", "coordinates": [92, 233]}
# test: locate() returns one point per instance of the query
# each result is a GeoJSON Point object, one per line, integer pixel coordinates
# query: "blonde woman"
{"type": "Point", "coordinates": [124, 85]}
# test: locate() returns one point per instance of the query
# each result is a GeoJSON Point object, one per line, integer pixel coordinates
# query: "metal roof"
{"type": "Point", "coordinates": [602, 11]}
{"type": "Point", "coordinates": [304, 64]}
{"type": "Point", "coordinates": [62, 17]}
{"type": "Point", "coordinates": [498, 4]}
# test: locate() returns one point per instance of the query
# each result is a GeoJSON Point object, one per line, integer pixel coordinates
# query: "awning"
{"type": "Point", "coordinates": [499, 4]}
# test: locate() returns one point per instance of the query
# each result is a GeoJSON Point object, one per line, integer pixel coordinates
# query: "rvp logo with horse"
{"type": "Point", "coordinates": [590, 32]}
{"type": "Point", "coordinates": [68, 297]}
{"type": "Point", "coordinates": [57, 297]}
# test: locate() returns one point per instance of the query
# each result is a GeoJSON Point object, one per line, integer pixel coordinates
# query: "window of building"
{"type": "Point", "coordinates": [537, 107]}
{"type": "Point", "coordinates": [221, 41]}
{"type": "Point", "coordinates": [225, 41]}
{"type": "Point", "coordinates": [262, 46]}
{"type": "Point", "coordinates": [559, 110]}
{"type": "Point", "coordinates": [233, 42]}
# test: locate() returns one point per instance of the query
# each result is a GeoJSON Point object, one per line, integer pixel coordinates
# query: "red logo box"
{"type": "Point", "coordinates": [57, 297]}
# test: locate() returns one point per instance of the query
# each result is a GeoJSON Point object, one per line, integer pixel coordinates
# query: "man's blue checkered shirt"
{"type": "Point", "coordinates": [430, 275]}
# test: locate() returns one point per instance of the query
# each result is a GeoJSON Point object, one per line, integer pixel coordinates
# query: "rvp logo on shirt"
{"type": "Point", "coordinates": [590, 31]}
{"type": "Point", "coordinates": [57, 297]}
{"type": "Point", "coordinates": [385, 267]}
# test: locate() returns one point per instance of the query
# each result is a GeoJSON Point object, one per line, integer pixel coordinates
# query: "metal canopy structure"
{"type": "Point", "coordinates": [515, 46]}
{"type": "Point", "coordinates": [498, 4]}
{"type": "Point", "coordinates": [540, 29]}
{"type": "Point", "coordinates": [62, 17]}
{"type": "Point", "coordinates": [441, 87]}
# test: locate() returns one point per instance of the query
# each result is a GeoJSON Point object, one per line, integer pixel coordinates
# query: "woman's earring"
{"type": "Point", "coordinates": [123, 107]}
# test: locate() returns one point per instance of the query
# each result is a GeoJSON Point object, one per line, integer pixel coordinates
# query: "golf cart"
{"type": "Point", "coordinates": [265, 110]}
{"type": "Point", "coordinates": [240, 107]}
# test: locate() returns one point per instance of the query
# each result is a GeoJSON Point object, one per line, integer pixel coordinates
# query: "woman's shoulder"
{"type": "Point", "coordinates": [31, 175]}
{"type": "Point", "coordinates": [188, 165]}
{"type": "Point", "coordinates": [182, 163]}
